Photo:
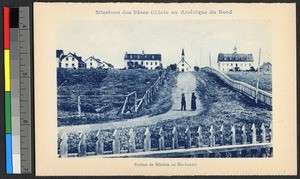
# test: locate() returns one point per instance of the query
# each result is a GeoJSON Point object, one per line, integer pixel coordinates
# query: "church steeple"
{"type": "Point", "coordinates": [182, 52]}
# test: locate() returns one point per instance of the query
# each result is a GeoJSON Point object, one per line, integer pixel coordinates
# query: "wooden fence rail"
{"type": "Point", "coordinates": [249, 138]}
{"type": "Point", "coordinates": [147, 98]}
{"type": "Point", "coordinates": [250, 91]}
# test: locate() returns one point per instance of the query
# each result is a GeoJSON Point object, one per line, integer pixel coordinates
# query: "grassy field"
{"type": "Point", "coordinates": [221, 106]}
{"type": "Point", "coordinates": [265, 81]}
{"type": "Point", "coordinates": [104, 85]}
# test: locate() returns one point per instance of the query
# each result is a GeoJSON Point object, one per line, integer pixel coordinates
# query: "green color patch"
{"type": "Point", "coordinates": [7, 112]}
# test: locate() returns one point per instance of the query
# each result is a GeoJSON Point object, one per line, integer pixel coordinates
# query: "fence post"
{"type": "Point", "coordinates": [78, 105]}
{"type": "Point", "coordinates": [244, 135]}
{"type": "Point", "coordinates": [147, 140]}
{"type": "Point", "coordinates": [82, 145]}
{"type": "Point", "coordinates": [233, 137]}
{"type": "Point", "coordinates": [64, 145]}
{"type": "Point", "coordinates": [212, 139]}
{"type": "Point", "coordinates": [200, 144]}
{"type": "Point", "coordinates": [175, 138]}
{"type": "Point", "coordinates": [263, 132]}
{"type": "Point", "coordinates": [222, 135]}
{"type": "Point", "coordinates": [188, 139]}
{"type": "Point", "coordinates": [161, 140]}
{"type": "Point", "coordinates": [131, 142]}
{"type": "Point", "coordinates": [116, 142]}
{"type": "Point", "coordinates": [253, 133]}
{"type": "Point", "coordinates": [135, 101]}
{"type": "Point", "coordinates": [99, 143]}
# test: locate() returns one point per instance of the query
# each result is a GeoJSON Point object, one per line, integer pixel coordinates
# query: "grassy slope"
{"type": "Point", "coordinates": [110, 83]}
{"type": "Point", "coordinates": [251, 78]}
{"type": "Point", "coordinates": [222, 106]}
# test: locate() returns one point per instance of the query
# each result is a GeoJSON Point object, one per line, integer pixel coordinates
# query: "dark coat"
{"type": "Point", "coordinates": [193, 102]}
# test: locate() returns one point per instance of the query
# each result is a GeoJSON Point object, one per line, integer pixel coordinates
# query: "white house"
{"type": "Point", "coordinates": [93, 62]}
{"type": "Point", "coordinates": [150, 61]}
{"type": "Point", "coordinates": [234, 61]}
{"type": "Point", "coordinates": [107, 66]}
{"type": "Point", "coordinates": [183, 65]}
{"type": "Point", "coordinates": [71, 61]}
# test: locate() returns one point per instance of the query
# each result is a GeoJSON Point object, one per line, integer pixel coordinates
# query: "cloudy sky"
{"type": "Point", "coordinates": [110, 40]}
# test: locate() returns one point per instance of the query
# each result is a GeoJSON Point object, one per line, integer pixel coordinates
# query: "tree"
{"type": "Point", "coordinates": [173, 67]}
{"type": "Point", "coordinates": [252, 68]}
{"type": "Point", "coordinates": [196, 68]}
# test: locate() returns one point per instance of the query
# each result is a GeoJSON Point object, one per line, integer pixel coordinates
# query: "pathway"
{"type": "Point", "coordinates": [186, 83]}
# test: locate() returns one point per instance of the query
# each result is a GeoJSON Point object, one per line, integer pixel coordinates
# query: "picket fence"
{"type": "Point", "coordinates": [245, 148]}
{"type": "Point", "coordinates": [147, 98]}
{"type": "Point", "coordinates": [250, 91]}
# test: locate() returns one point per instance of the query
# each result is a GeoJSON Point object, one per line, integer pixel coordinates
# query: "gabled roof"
{"type": "Point", "coordinates": [78, 58]}
{"type": "Point", "coordinates": [92, 57]}
{"type": "Point", "coordinates": [265, 64]}
{"type": "Point", "coordinates": [234, 57]}
{"type": "Point", "coordinates": [132, 56]}
{"type": "Point", "coordinates": [108, 64]}
{"type": "Point", "coordinates": [185, 63]}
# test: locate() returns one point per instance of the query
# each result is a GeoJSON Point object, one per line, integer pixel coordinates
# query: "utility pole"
{"type": "Point", "coordinates": [257, 81]}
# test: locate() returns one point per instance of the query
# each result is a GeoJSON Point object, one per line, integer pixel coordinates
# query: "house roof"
{"type": "Point", "coordinates": [131, 56]}
{"type": "Point", "coordinates": [92, 57]}
{"type": "Point", "coordinates": [185, 63]}
{"type": "Point", "coordinates": [265, 64]}
{"type": "Point", "coordinates": [73, 55]}
{"type": "Point", "coordinates": [58, 53]}
{"type": "Point", "coordinates": [234, 57]}
{"type": "Point", "coordinates": [108, 64]}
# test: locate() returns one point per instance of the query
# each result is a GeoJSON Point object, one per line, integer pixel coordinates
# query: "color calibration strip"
{"type": "Point", "coordinates": [7, 98]}
{"type": "Point", "coordinates": [17, 90]}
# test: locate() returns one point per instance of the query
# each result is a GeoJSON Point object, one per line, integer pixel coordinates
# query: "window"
{"type": "Point", "coordinates": [155, 63]}
{"type": "Point", "coordinates": [73, 65]}
{"type": "Point", "coordinates": [151, 64]}
{"type": "Point", "coordinates": [241, 64]}
{"type": "Point", "coordinates": [67, 59]}
{"type": "Point", "coordinates": [67, 65]}
{"type": "Point", "coordinates": [138, 56]}
{"type": "Point", "coordinates": [231, 64]}
{"type": "Point", "coordinates": [130, 56]}
{"type": "Point", "coordinates": [146, 63]}
{"type": "Point", "coordinates": [249, 64]}
{"type": "Point", "coordinates": [183, 64]}
{"type": "Point", "coordinates": [73, 59]}
{"type": "Point", "coordinates": [91, 64]}
{"type": "Point", "coordinates": [152, 56]}
{"type": "Point", "coordinates": [91, 60]}
{"type": "Point", "coordinates": [151, 68]}
{"type": "Point", "coordinates": [227, 64]}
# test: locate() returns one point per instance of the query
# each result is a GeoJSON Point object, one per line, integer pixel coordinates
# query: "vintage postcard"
{"type": "Point", "coordinates": [165, 89]}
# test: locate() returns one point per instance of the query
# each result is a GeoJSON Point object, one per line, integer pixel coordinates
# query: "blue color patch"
{"type": "Point", "coordinates": [8, 142]}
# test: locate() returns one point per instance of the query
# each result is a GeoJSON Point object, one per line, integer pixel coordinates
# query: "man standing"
{"type": "Point", "coordinates": [183, 103]}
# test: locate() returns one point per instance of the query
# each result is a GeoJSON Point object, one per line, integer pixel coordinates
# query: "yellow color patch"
{"type": "Point", "coordinates": [7, 69]}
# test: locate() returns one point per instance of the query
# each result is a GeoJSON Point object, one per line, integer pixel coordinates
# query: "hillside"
{"type": "Point", "coordinates": [265, 81]}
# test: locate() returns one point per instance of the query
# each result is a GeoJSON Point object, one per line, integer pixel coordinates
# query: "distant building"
{"type": "Point", "coordinates": [71, 61]}
{"type": "Point", "coordinates": [234, 61]}
{"type": "Point", "coordinates": [183, 64]}
{"type": "Point", "coordinates": [59, 54]}
{"type": "Point", "coordinates": [149, 61]}
{"type": "Point", "coordinates": [107, 66]}
{"type": "Point", "coordinates": [93, 62]}
{"type": "Point", "coordinates": [266, 67]}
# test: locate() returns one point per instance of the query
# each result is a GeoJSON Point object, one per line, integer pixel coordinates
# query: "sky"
{"type": "Point", "coordinates": [110, 40]}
